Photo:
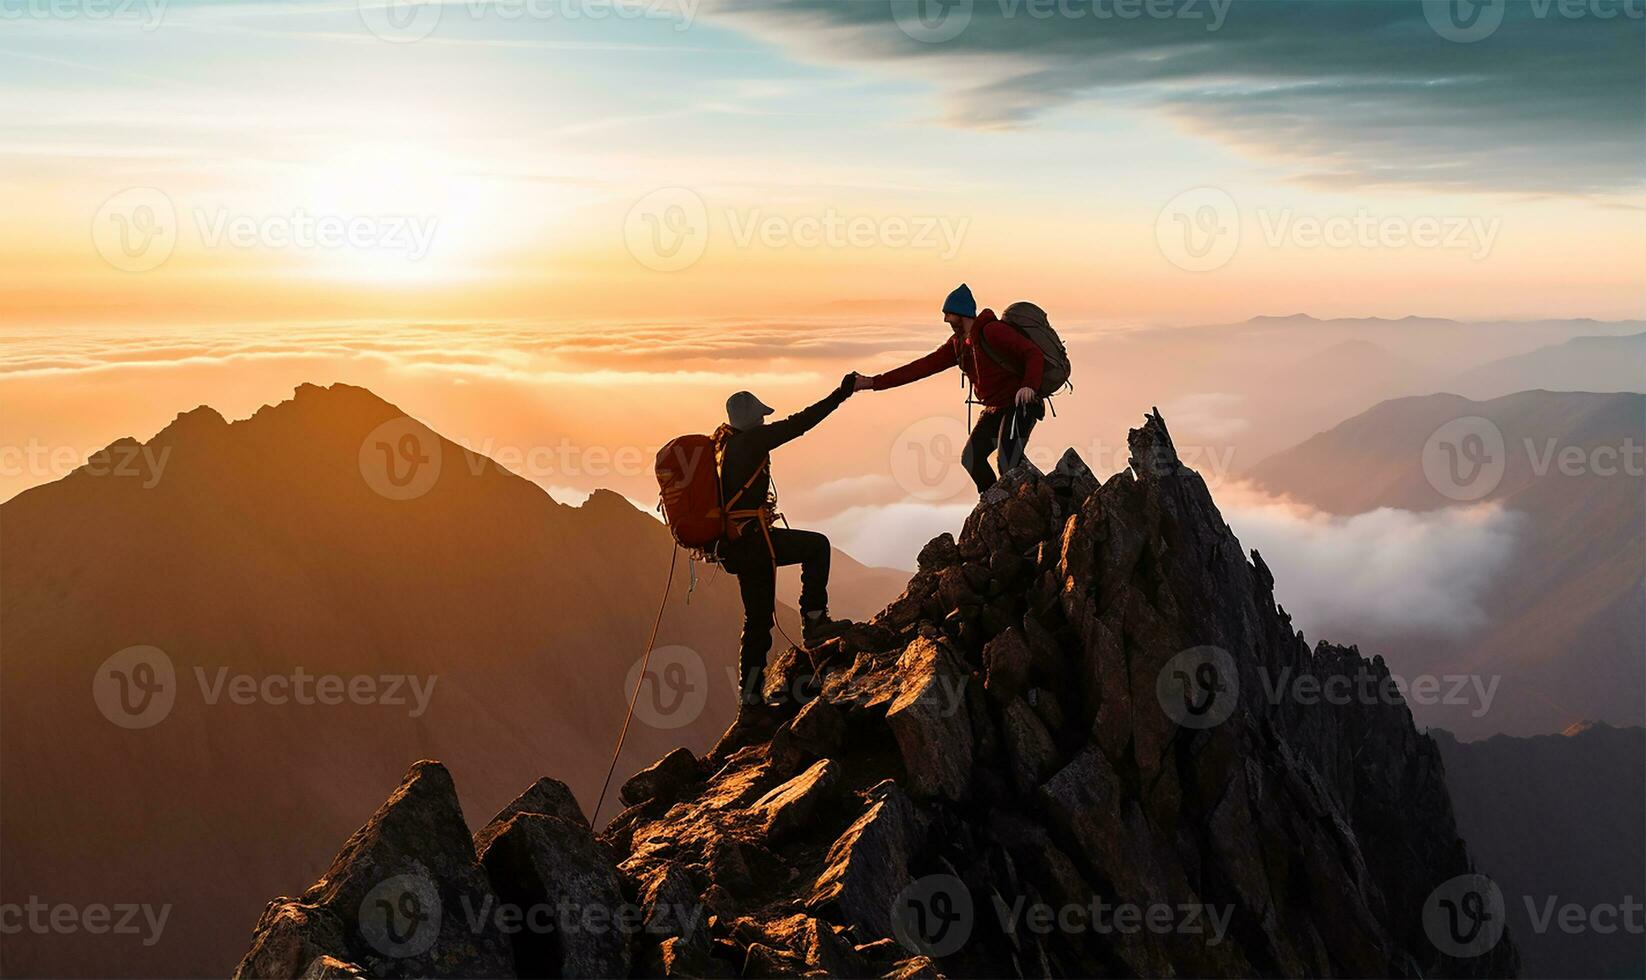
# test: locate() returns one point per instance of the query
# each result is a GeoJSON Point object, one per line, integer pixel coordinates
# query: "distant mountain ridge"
{"type": "Point", "coordinates": [1567, 621]}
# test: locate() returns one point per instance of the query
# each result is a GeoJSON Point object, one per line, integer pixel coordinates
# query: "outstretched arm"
{"type": "Point", "coordinates": [774, 434]}
{"type": "Point", "coordinates": [938, 360]}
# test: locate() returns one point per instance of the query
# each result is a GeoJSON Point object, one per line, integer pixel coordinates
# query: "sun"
{"type": "Point", "coordinates": [400, 213]}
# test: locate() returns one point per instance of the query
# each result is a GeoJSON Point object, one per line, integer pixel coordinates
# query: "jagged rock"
{"type": "Point", "coordinates": [664, 780]}
{"type": "Point", "coordinates": [790, 805]}
{"type": "Point", "coordinates": [1006, 660]}
{"type": "Point", "coordinates": [676, 921]}
{"type": "Point", "coordinates": [868, 865]}
{"type": "Point", "coordinates": [929, 720]}
{"type": "Point", "coordinates": [940, 552]}
{"type": "Point", "coordinates": [548, 865]}
{"type": "Point", "coordinates": [763, 961]}
{"type": "Point", "coordinates": [395, 898]}
{"type": "Point", "coordinates": [914, 968]}
{"type": "Point", "coordinates": [1029, 718]}
{"type": "Point", "coordinates": [550, 796]}
{"type": "Point", "coordinates": [332, 968]}
{"type": "Point", "coordinates": [1034, 756]}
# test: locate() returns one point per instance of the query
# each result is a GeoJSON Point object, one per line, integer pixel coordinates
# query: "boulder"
{"type": "Point", "coordinates": [929, 720]}
{"type": "Point", "coordinates": [395, 897]}
{"type": "Point", "coordinates": [868, 866]}
{"type": "Point", "coordinates": [665, 780]}
{"type": "Point", "coordinates": [787, 808]}
{"type": "Point", "coordinates": [551, 871]}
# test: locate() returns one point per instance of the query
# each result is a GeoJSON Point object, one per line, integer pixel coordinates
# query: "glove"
{"type": "Point", "coordinates": [848, 384]}
{"type": "Point", "coordinates": [1026, 395]}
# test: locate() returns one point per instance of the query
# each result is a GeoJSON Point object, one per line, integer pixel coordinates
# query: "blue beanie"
{"type": "Point", "coordinates": [960, 302]}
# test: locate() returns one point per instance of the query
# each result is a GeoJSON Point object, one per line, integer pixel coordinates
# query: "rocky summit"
{"type": "Point", "coordinates": [1084, 742]}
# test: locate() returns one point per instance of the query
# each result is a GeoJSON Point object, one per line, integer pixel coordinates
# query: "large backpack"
{"type": "Point", "coordinates": [1030, 321]}
{"type": "Point", "coordinates": [688, 481]}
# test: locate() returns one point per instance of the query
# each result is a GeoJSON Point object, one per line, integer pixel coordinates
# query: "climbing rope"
{"type": "Point", "coordinates": [638, 681]}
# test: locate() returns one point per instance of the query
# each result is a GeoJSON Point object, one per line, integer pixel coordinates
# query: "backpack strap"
{"type": "Point", "coordinates": [994, 355]}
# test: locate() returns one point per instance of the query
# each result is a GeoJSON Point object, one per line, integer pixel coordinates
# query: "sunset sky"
{"type": "Point", "coordinates": [514, 217]}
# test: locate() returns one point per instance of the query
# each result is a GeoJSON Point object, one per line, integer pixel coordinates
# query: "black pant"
{"type": "Point", "coordinates": [1008, 428]}
{"type": "Point", "coordinates": [749, 559]}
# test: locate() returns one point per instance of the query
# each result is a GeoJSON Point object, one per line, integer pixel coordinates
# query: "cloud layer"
{"type": "Point", "coordinates": [1386, 571]}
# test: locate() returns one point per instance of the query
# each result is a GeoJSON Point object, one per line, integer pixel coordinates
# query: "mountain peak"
{"type": "Point", "coordinates": [1017, 729]}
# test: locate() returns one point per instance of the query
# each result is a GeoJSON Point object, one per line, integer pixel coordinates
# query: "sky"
{"type": "Point", "coordinates": [551, 223]}
{"type": "Point", "coordinates": [560, 159]}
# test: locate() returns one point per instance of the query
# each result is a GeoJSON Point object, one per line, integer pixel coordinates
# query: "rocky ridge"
{"type": "Point", "coordinates": [1062, 751]}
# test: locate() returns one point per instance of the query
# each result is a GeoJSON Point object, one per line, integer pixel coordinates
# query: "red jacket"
{"type": "Point", "coordinates": [995, 386]}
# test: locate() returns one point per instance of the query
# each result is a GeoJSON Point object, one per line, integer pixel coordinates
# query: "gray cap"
{"type": "Point", "coordinates": [744, 411]}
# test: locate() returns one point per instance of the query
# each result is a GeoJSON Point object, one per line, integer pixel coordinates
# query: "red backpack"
{"type": "Point", "coordinates": [688, 478]}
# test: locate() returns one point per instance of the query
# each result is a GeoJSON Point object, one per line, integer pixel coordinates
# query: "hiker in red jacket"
{"type": "Point", "coordinates": [1009, 393]}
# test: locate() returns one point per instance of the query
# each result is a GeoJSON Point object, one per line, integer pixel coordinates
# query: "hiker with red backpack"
{"type": "Point", "coordinates": [718, 499]}
{"type": "Point", "coordinates": [1012, 365]}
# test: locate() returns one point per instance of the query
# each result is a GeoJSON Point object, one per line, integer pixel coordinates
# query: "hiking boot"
{"type": "Point", "coordinates": [817, 627]}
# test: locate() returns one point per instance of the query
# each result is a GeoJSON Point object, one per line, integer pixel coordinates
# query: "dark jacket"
{"type": "Point", "coordinates": [744, 450]}
{"type": "Point", "coordinates": [994, 384]}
